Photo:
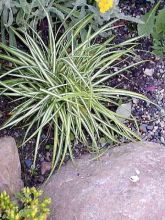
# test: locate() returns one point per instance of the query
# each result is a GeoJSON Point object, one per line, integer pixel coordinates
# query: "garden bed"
{"type": "Point", "coordinates": [148, 79]}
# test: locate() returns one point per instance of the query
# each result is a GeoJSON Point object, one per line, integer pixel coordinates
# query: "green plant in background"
{"type": "Point", "coordinates": [19, 13]}
{"type": "Point", "coordinates": [159, 33]}
{"type": "Point", "coordinates": [62, 85]}
{"type": "Point", "coordinates": [154, 26]}
{"type": "Point", "coordinates": [27, 205]}
{"type": "Point", "coordinates": [101, 10]}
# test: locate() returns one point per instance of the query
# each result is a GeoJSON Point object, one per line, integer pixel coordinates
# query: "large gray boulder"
{"type": "Point", "coordinates": [10, 168]}
{"type": "Point", "coordinates": [128, 183]}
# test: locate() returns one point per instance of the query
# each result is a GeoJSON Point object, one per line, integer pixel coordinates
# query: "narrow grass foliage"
{"type": "Point", "coordinates": [62, 84]}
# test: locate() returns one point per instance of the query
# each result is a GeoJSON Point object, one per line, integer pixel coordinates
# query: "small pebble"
{"type": "Point", "coordinates": [28, 163]}
{"type": "Point", "coordinates": [149, 72]}
{"type": "Point", "coordinates": [143, 128]}
{"type": "Point", "coordinates": [150, 127]}
{"type": "Point", "coordinates": [162, 140]}
{"type": "Point", "coordinates": [134, 179]}
{"type": "Point", "coordinates": [45, 166]}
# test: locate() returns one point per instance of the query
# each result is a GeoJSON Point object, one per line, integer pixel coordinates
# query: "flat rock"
{"type": "Point", "coordinates": [128, 183]}
{"type": "Point", "coordinates": [149, 72]}
{"type": "Point", "coordinates": [10, 168]}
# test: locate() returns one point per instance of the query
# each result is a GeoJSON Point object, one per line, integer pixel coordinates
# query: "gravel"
{"type": "Point", "coordinates": [147, 79]}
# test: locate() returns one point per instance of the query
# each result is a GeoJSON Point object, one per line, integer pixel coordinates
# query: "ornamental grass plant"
{"type": "Point", "coordinates": [62, 85]}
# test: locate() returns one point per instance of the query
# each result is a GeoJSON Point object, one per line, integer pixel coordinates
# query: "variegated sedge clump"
{"type": "Point", "coordinates": [27, 205]}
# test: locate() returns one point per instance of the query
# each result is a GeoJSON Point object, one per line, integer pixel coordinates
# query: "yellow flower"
{"type": "Point", "coordinates": [17, 217]}
{"type": "Point", "coordinates": [105, 5]}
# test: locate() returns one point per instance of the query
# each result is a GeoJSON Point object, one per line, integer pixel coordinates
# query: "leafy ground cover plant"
{"type": "Point", "coordinates": [26, 205]}
{"type": "Point", "coordinates": [20, 12]}
{"type": "Point", "coordinates": [154, 26]}
{"type": "Point", "coordinates": [62, 85]}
